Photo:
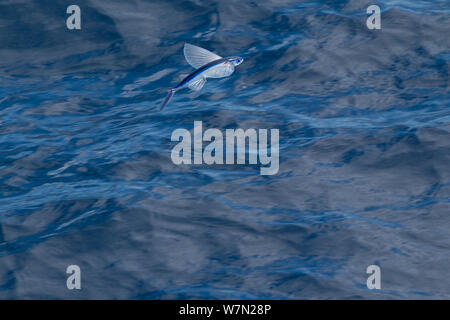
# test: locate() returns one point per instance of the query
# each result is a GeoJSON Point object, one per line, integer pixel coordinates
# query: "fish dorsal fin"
{"type": "Point", "coordinates": [197, 85]}
{"type": "Point", "coordinates": [198, 57]}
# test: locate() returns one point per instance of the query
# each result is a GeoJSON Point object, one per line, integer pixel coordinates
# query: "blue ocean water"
{"type": "Point", "coordinates": [86, 176]}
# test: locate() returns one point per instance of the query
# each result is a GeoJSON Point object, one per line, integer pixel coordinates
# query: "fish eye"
{"type": "Point", "coordinates": [237, 61]}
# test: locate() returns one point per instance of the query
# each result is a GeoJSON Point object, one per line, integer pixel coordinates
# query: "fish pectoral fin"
{"type": "Point", "coordinates": [198, 57]}
{"type": "Point", "coordinates": [198, 84]}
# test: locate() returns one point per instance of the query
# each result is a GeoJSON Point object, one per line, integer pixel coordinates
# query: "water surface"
{"type": "Point", "coordinates": [86, 176]}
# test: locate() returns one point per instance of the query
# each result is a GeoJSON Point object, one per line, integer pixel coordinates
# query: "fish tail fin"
{"type": "Point", "coordinates": [169, 96]}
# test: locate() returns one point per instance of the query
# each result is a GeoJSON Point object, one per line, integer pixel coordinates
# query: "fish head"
{"type": "Point", "coordinates": [235, 61]}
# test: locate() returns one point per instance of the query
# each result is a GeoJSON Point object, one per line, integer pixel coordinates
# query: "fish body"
{"type": "Point", "coordinates": [216, 69]}
{"type": "Point", "coordinates": [208, 65]}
